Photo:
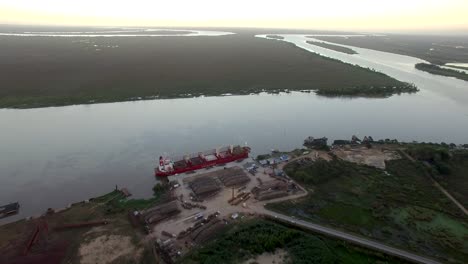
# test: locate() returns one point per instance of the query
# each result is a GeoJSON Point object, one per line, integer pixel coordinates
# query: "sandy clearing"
{"type": "Point", "coordinates": [105, 249]}
{"type": "Point", "coordinates": [268, 258]}
{"type": "Point", "coordinates": [375, 156]}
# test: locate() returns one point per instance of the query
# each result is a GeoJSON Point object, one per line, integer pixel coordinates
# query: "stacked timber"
{"type": "Point", "coordinates": [235, 176]}
{"type": "Point", "coordinates": [270, 190]}
{"type": "Point", "coordinates": [204, 187]}
{"type": "Point", "coordinates": [160, 212]}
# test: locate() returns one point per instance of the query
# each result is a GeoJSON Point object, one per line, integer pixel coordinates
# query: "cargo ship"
{"type": "Point", "coordinates": [171, 166]}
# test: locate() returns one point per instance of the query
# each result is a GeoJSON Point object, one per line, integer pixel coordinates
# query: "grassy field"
{"type": "Point", "coordinates": [435, 49]}
{"type": "Point", "coordinates": [251, 238]}
{"type": "Point", "coordinates": [332, 47]}
{"type": "Point", "coordinates": [456, 181]}
{"type": "Point", "coordinates": [41, 71]}
{"type": "Point", "coordinates": [399, 206]}
{"type": "Point", "coordinates": [434, 69]}
{"type": "Point", "coordinates": [447, 166]}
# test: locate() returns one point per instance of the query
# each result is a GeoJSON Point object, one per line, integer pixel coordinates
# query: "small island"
{"type": "Point", "coordinates": [456, 66]}
{"type": "Point", "coordinates": [435, 69]}
{"type": "Point", "coordinates": [274, 37]}
{"type": "Point", "coordinates": [332, 47]}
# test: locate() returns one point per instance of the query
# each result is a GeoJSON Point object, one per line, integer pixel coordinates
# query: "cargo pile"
{"type": "Point", "coordinates": [158, 213]}
{"type": "Point", "coordinates": [234, 176]}
{"type": "Point", "coordinates": [204, 187]}
{"type": "Point", "coordinates": [270, 190]}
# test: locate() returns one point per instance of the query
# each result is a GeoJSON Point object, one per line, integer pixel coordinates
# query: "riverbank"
{"type": "Point", "coordinates": [435, 49]}
{"type": "Point", "coordinates": [383, 188]}
{"type": "Point", "coordinates": [98, 70]}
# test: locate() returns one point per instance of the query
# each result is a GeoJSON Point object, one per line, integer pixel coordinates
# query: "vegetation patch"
{"type": "Point", "coordinates": [252, 238]}
{"type": "Point", "coordinates": [446, 164]}
{"type": "Point", "coordinates": [367, 91]}
{"type": "Point", "coordinates": [434, 69]}
{"type": "Point", "coordinates": [398, 205]}
{"type": "Point", "coordinates": [69, 72]}
{"type": "Point", "coordinates": [118, 203]}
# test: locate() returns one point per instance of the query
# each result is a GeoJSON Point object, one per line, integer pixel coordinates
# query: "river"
{"type": "Point", "coordinates": [53, 156]}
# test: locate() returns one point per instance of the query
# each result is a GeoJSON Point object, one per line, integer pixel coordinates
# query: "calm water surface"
{"type": "Point", "coordinates": [53, 156]}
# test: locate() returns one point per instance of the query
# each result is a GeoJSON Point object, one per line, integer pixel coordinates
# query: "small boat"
{"type": "Point", "coordinates": [9, 209]}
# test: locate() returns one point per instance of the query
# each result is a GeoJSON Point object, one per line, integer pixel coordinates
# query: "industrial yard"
{"type": "Point", "coordinates": [211, 199]}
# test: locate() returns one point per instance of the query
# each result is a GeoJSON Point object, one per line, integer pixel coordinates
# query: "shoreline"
{"type": "Point", "coordinates": [275, 154]}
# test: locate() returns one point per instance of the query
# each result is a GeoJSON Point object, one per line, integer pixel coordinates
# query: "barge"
{"type": "Point", "coordinates": [9, 210]}
{"type": "Point", "coordinates": [189, 163]}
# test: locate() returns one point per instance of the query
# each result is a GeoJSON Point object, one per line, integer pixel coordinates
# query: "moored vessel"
{"type": "Point", "coordinates": [171, 166]}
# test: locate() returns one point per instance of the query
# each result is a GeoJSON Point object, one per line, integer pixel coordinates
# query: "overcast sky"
{"type": "Point", "coordinates": [399, 15]}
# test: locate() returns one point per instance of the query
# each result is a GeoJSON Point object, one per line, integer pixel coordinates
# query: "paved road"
{"type": "Point", "coordinates": [353, 239]}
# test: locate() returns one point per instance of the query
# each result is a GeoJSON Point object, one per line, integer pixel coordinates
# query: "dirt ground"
{"type": "Point", "coordinates": [312, 154]}
{"type": "Point", "coordinates": [105, 249]}
{"type": "Point", "coordinates": [375, 156]}
{"type": "Point", "coordinates": [218, 202]}
{"type": "Point", "coordinates": [277, 257]}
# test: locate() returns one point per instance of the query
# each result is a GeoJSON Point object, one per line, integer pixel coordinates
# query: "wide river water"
{"type": "Point", "coordinates": [53, 156]}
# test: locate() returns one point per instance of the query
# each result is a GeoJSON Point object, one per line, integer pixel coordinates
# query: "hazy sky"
{"type": "Point", "coordinates": [401, 15]}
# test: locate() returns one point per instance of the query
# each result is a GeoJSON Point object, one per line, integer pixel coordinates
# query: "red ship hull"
{"type": "Point", "coordinates": [220, 159]}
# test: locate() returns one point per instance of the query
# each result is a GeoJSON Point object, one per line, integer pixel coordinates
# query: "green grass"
{"type": "Point", "coordinates": [69, 72]}
{"type": "Point", "coordinates": [119, 203]}
{"type": "Point", "coordinates": [434, 69]}
{"type": "Point", "coordinates": [332, 47]}
{"type": "Point", "coordinates": [447, 166]}
{"type": "Point", "coordinates": [456, 182]}
{"type": "Point", "coordinates": [403, 208]}
{"type": "Point", "coordinates": [246, 240]}
{"type": "Point", "coordinates": [353, 215]}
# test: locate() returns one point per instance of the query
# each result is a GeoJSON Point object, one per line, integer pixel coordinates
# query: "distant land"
{"type": "Point", "coordinates": [46, 71]}
{"type": "Point", "coordinates": [435, 49]}
{"type": "Point", "coordinates": [457, 67]}
{"type": "Point", "coordinates": [332, 47]}
{"type": "Point", "coordinates": [434, 69]}
{"type": "Point", "coordinates": [275, 37]}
